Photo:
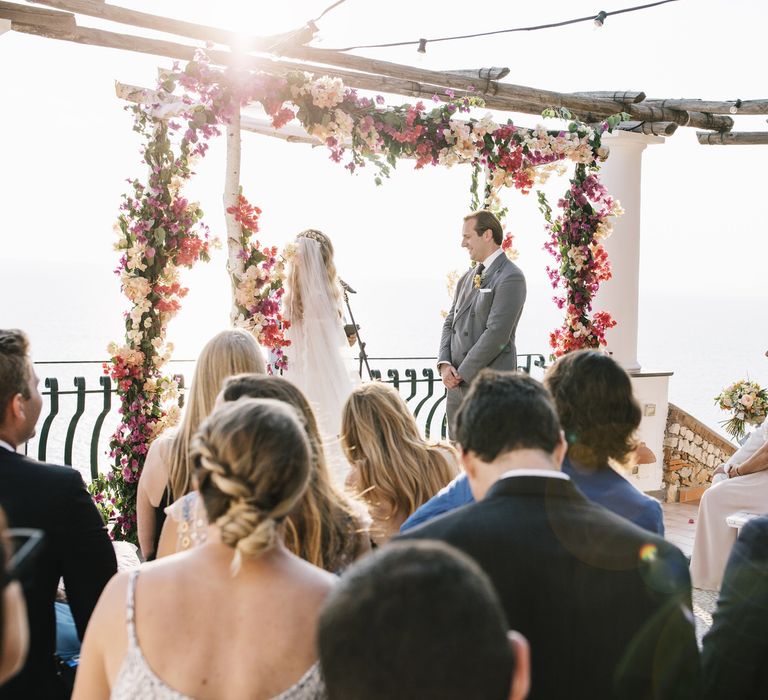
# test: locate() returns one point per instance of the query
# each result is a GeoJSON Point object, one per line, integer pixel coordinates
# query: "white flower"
{"type": "Point", "coordinates": [327, 92]}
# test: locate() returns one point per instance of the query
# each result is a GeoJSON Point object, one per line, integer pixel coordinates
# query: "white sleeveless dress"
{"type": "Point", "coordinates": [137, 681]}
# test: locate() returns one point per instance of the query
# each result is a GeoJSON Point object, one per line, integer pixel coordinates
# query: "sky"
{"type": "Point", "coordinates": [68, 149]}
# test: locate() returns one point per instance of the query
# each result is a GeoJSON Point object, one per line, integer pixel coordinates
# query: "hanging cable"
{"type": "Point", "coordinates": [421, 43]}
{"type": "Point", "coordinates": [327, 10]}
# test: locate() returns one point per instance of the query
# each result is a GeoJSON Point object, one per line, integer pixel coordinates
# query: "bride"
{"type": "Point", "coordinates": [319, 362]}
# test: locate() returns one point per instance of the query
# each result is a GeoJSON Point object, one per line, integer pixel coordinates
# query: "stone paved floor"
{"type": "Point", "coordinates": [680, 526]}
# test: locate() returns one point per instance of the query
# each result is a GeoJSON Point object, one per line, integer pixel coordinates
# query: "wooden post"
{"type": "Point", "coordinates": [733, 138]}
{"type": "Point", "coordinates": [231, 195]}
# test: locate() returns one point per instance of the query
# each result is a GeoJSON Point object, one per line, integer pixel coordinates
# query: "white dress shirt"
{"type": "Point", "coordinates": [553, 473]}
{"type": "Point", "coordinates": [487, 262]}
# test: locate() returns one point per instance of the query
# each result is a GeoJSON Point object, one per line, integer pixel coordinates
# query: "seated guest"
{"type": "Point", "coordinates": [52, 499]}
{"type": "Point", "coordinates": [14, 629]}
{"type": "Point", "coordinates": [167, 474]}
{"type": "Point", "coordinates": [236, 616]}
{"type": "Point", "coordinates": [393, 469]}
{"type": "Point", "coordinates": [735, 656]}
{"type": "Point", "coordinates": [419, 620]}
{"type": "Point", "coordinates": [599, 414]}
{"type": "Point", "coordinates": [605, 605]}
{"type": "Point", "coordinates": [740, 484]}
{"type": "Point", "coordinates": [326, 528]}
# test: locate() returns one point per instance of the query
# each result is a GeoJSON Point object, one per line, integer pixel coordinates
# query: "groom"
{"type": "Point", "coordinates": [479, 330]}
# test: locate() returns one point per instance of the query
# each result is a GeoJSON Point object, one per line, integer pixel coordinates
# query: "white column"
{"type": "Point", "coordinates": [621, 175]}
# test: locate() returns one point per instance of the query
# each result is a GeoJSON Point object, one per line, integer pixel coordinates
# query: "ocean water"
{"type": "Point", "coordinates": [706, 342]}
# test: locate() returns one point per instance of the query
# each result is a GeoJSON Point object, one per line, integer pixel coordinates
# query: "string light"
{"type": "Point", "coordinates": [598, 19]}
{"type": "Point", "coordinates": [735, 107]}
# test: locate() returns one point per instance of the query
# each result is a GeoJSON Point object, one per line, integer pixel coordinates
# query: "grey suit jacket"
{"type": "Point", "coordinates": [479, 330]}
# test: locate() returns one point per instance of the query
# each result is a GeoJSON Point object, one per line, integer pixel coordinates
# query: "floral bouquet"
{"type": "Point", "coordinates": [747, 401]}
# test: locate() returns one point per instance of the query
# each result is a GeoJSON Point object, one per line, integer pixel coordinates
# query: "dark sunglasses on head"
{"type": "Point", "coordinates": [26, 543]}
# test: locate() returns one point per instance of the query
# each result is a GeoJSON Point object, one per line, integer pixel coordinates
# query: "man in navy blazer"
{"type": "Point", "coordinates": [52, 499]}
{"type": "Point", "coordinates": [605, 605]}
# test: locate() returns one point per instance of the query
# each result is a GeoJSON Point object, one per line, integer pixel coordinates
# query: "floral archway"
{"type": "Point", "coordinates": [160, 231]}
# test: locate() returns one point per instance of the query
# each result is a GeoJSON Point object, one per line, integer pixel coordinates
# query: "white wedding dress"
{"type": "Point", "coordinates": [319, 358]}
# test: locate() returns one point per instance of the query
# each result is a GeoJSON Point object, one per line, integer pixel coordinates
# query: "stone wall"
{"type": "Point", "coordinates": [692, 451]}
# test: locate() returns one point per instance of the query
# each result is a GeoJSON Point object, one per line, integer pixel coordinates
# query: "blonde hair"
{"type": "Point", "coordinates": [227, 353]}
{"type": "Point", "coordinates": [293, 300]}
{"type": "Point", "coordinates": [397, 467]}
{"type": "Point", "coordinates": [324, 529]}
{"type": "Point", "coordinates": [252, 462]}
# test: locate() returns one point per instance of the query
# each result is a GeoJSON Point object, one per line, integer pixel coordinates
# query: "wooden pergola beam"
{"type": "Point", "coordinates": [29, 18]}
{"type": "Point", "coordinates": [733, 138]}
{"type": "Point", "coordinates": [184, 52]}
{"type": "Point", "coordinates": [588, 108]}
{"type": "Point", "coordinates": [518, 98]}
{"type": "Point", "coordinates": [361, 72]}
{"type": "Point", "coordinates": [123, 15]}
{"type": "Point", "coordinates": [651, 128]}
{"type": "Point", "coordinates": [746, 107]}
{"type": "Point", "coordinates": [627, 96]}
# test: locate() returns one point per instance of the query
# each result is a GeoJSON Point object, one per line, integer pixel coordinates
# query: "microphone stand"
{"type": "Point", "coordinates": [363, 356]}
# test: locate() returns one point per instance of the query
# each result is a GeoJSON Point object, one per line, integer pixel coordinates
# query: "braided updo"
{"type": "Point", "coordinates": [252, 460]}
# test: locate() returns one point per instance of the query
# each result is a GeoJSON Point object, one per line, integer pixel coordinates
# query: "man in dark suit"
{"type": "Point", "coordinates": [735, 656]}
{"type": "Point", "coordinates": [605, 605]}
{"type": "Point", "coordinates": [479, 330]}
{"type": "Point", "coordinates": [52, 499]}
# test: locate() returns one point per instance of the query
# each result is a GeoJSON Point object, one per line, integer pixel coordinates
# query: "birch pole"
{"type": "Point", "coordinates": [231, 195]}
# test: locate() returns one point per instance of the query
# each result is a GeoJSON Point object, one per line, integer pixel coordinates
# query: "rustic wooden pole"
{"type": "Point", "coordinates": [733, 138]}
{"type": "Point", "coordinates": [654, 128]}
{"type": "Point", "coordinates": [493, 73]}
{"type": "Point", "coordinates": [626, 96]}
{"type": "Point", "coordinates": [113, 13]}
{"type": "Point", "coordinates": [230, 197]}
{"type": "Point", "coordinates": [746, 107]}
{"type": "Point", "coordinates": [32, 17]}
{"type": "Point", "coordinates": [157, 47]}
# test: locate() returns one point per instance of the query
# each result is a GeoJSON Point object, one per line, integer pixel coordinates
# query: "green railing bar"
{"type": "Point", "coordinates": [106, 384]}
{"type": "Point", "coordinates": [53, 384]}
{"type": "Point", "coordinates": [429, 374]}
{"type": "Point", "coordinates": [431, 415]}
{"type": "Point", "coordinates": [70, 439]}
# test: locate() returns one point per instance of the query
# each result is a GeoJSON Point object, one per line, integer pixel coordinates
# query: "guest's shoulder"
{"type": "Point", "coordinates": [755, 532]}
{"type": "Point", "coordinates": [462, 520]}
{"type": "Point", "coordinates": [32, 469]}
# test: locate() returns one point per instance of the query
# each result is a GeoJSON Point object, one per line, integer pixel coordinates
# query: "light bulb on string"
{"type": "Point", "coordinates": [735, 107]}
{"type": "Point", "coordinates": [600, 18]}
{"type": "Point", "coordinates": [421, 52]}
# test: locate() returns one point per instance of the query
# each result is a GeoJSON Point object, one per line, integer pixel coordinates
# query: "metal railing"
{"type": "Point", "coordinates": [82, 439]}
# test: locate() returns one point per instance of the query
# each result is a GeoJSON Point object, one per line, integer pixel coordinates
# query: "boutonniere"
{"type": "Point", "coordinates": [478, 281]}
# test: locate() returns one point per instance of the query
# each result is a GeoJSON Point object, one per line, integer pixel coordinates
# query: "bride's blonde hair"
{"type": "Point", "coordinates": [252, 462]}
{"type": "Point", "coordinates": [293, 300]}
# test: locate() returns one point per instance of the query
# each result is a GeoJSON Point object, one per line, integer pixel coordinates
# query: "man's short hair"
{"type": "Point", "coordinates": [485, 220]}
{"type": "Point", "coordinates": [506, 411]}
{"type": "Point", "coordinates": [415, 620]}
{"type": "Point", "coordinates": [14, 367]}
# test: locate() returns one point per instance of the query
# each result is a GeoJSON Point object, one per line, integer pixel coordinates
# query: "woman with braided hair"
{"type": "Point", "coordinates": [243, 607]}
